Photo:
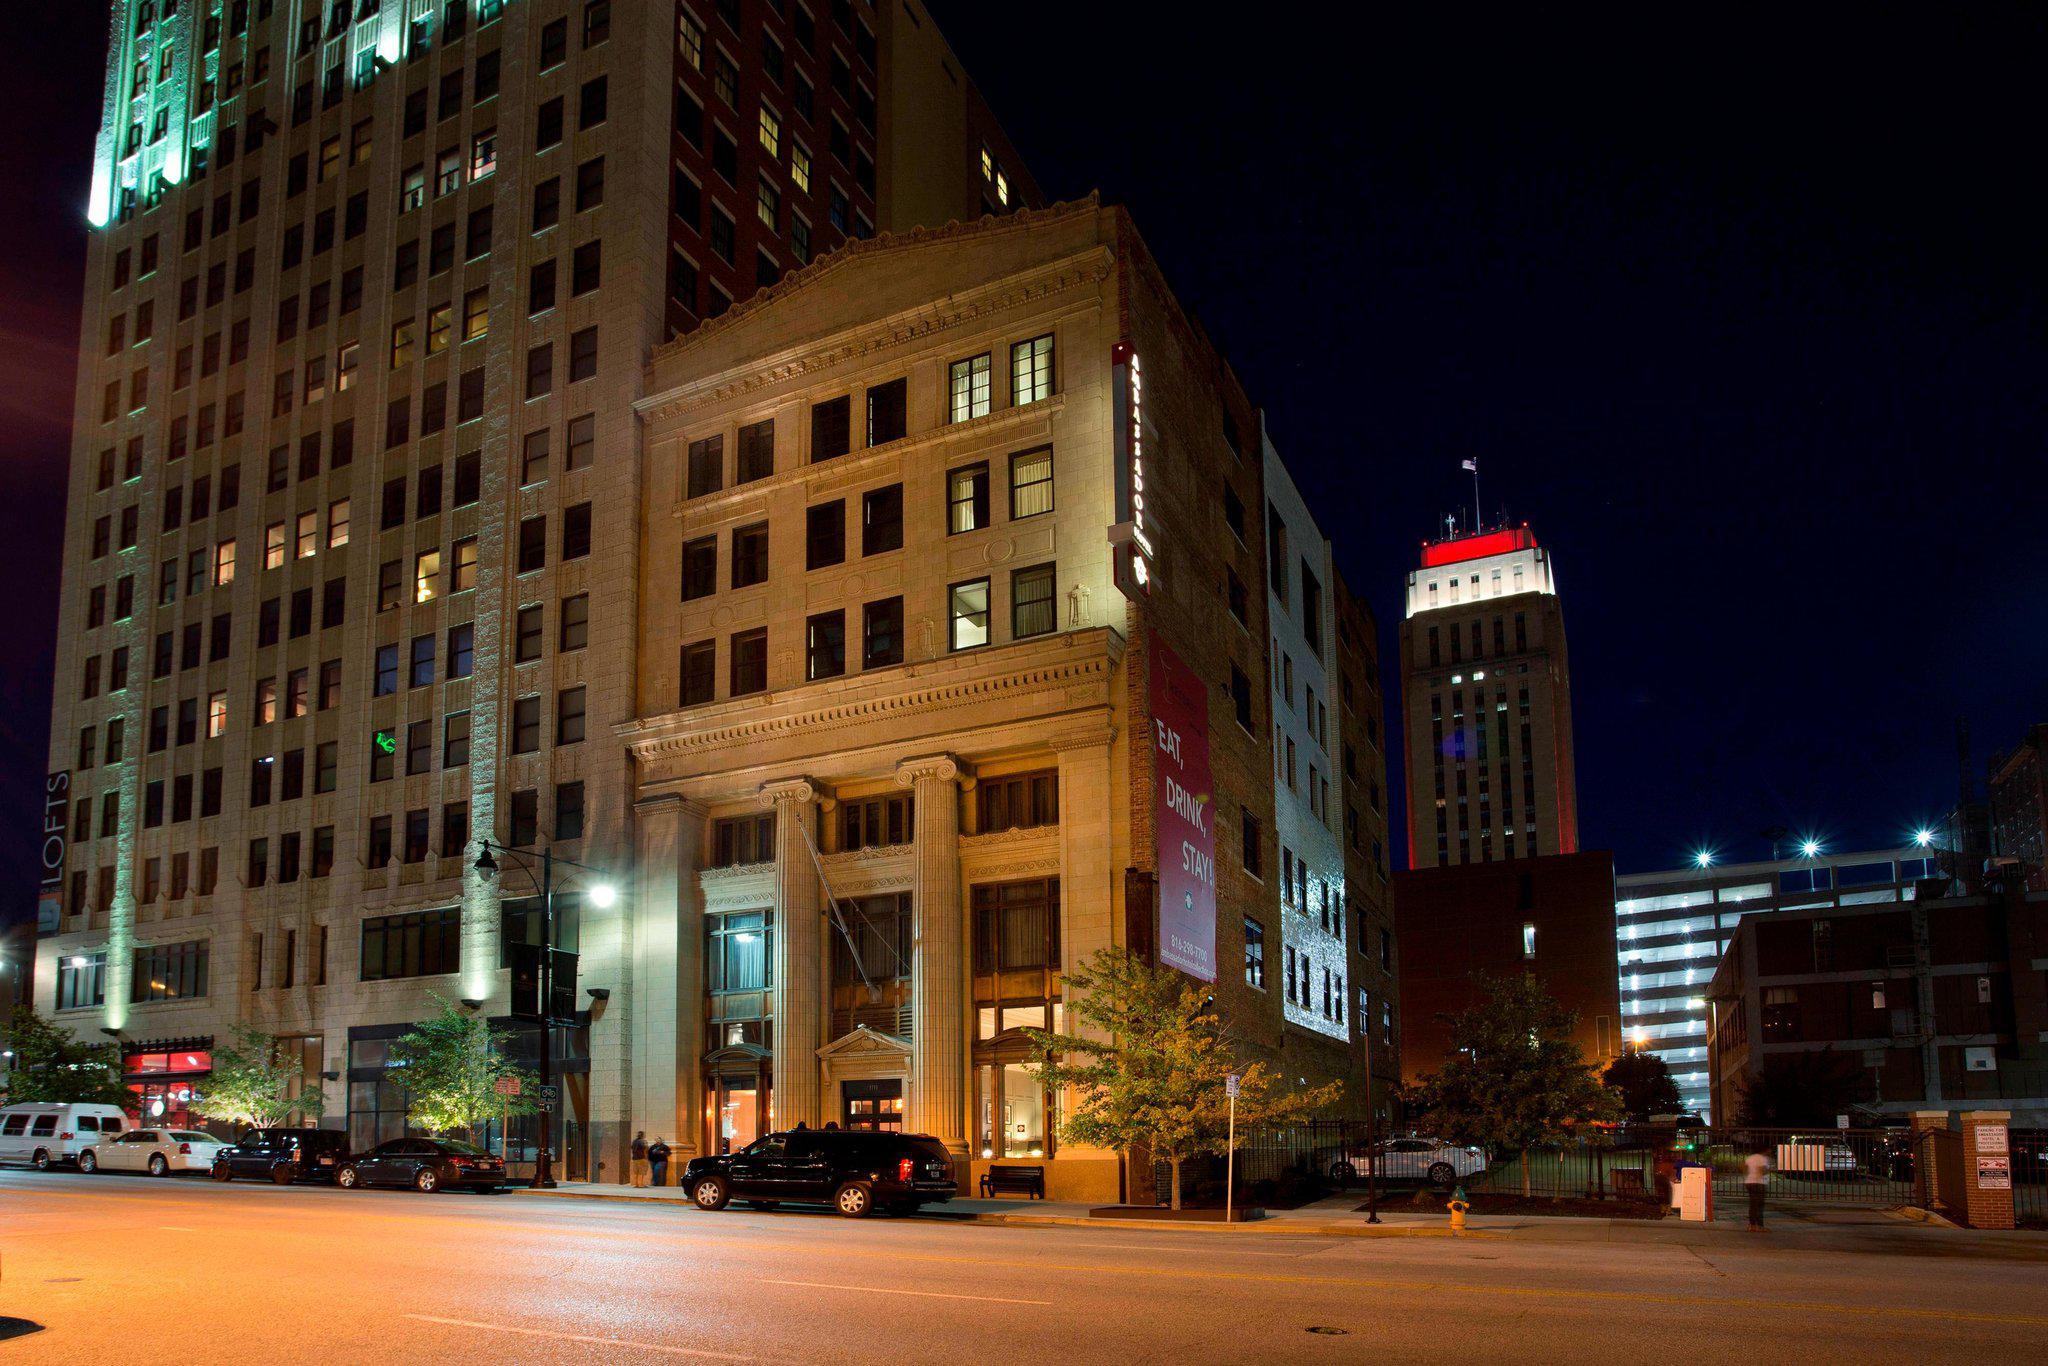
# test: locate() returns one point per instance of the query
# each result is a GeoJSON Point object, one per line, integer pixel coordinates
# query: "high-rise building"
{"type": "Point", "coordinates": [352, 574]}
{"type": "Point", "coordinates": [2018, 795]}
{"type": "Point", "coordinates": [1486, 703]}
{"type": "Point", "coordinates": [1362, 758]}
{"type": "Point", "coordinates": [916, 737]}
{"type": "Point", "coordinates": [1674, 925]}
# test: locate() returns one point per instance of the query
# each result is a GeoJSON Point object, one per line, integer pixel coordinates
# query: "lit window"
{"type": "Point", "coordinates": [426, 579]}
{"type": "Point", "coordinates": [223, 563]}
{"type": "Point", "coordinates": [337, 523]}
{"type": "Point", "coordinates": [273, 545]}
{"type": "Point", "coordinates": [969, 613]}
{"type": "Point", "coordinates": [438, 318]}
{"type": "Point", "coordinates": [476, 314]}
{"type": "Point", "coordinates": [690, 41]}
{"type": "Point", "coordinates": [448, 178]}
{"type": "Point", "coordinates": [969, 388]}
{"type": "Point", "coordinates": [800, 166]}
{"type": "Point", "coordinates": [1528, 939]}
{"type": "Point", "coordinates": [307, 536]}
{"type": "Point", "coordinates": [1031, 370]}
{"type": "Point", "coordinates": [771, 132]}
{"type": "Point", "coordinates": [483, 154]}
{"type": "Point", "coordinates": [345, 365]}
{"type": "Point", "coordinates": [216, 716]}
{"type": "Point", "coordinates": [404, 342]}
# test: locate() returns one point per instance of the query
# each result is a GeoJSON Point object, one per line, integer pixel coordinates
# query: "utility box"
{"type": "Point", "coordinates": [1696, 1194]}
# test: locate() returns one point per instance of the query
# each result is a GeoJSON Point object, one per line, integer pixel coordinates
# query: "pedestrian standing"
{"type": "Point", "coordinates": [657, 1158]}
{"type": "Point", "coordinates": [1756, 1176]}
{"type": "Point", "coordinates": [640, 1158]}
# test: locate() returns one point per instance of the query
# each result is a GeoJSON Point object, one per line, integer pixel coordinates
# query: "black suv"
{"type": "Point", "coordinates": [854, 1172]}
{"type": "Point", "coordinates": [283, 1155]}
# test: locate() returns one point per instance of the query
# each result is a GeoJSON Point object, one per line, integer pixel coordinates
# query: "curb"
{"type": "Point", "coordinates": [1924, 1216]}
{"type": "Point", "coordinates": [1269, 1227]}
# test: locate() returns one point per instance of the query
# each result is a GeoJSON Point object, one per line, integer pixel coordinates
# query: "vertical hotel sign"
{"type": "Point", "coordinates": [56, 806]}
{"type": "Point", "coordinates": [1184, 815]}
{"type": "Point", "coordinates": [1132, 534]}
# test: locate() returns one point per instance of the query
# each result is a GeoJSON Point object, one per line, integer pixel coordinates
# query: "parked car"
{"type": "Point", "coordinates": [283, 1155]}
{"type": "Point", "coordinates": [1815, 1155]}
{"type": "Point", "coordinates": [425, 1164]}
{"type": "Point", "coordinates": [1411, 1159]}
{"type": "Point", "coordinates": [49, 1135]}
{"type": "Point", "coordinates": [156, 1151]}
{"type": "Point", "coordinates": [856, 1172]}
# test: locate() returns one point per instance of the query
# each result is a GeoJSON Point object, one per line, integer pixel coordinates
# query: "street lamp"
{"type": "Point", "coordinates": [1924, 837]}
{"type": "Point", "coordinates": [1809, 848]}
{"type": "Point", "coordinates": [601, 894]}
{"type": "Point", "coordinates": [1703, 858]}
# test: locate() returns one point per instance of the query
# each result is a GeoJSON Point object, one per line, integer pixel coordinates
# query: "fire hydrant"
{"type": "Point", "coordinates": [1458, 1205]}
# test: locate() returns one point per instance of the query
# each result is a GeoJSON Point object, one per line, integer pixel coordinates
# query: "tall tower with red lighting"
{"type": "Point", "coordinates": [1486, 703]}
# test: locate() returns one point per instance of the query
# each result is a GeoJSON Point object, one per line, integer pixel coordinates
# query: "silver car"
{"type": "Point", "coordinates": [156, 1151]}
{"type": "Point", "coordinates": [1411, 1159]}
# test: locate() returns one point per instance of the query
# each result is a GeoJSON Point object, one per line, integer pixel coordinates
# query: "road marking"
{"type": "Point", "coordinates": [580, 1337]}
{"type": "Point", "coordinates": [884, 1290]}
{"type": "Point", "coordinates": [177, 1228]}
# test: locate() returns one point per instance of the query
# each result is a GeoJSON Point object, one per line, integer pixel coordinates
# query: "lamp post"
{"type": "Point", "coordinates": [601, 894]}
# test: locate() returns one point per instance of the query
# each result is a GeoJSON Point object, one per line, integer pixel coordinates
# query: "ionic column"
{"type": "Point", "coordinates": [939, 968]}
{"type": "Point", "coordinates": [799, 944]}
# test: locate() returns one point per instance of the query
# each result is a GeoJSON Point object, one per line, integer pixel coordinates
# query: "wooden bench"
{"type": "Point", "coordinates": [1013, 1180]}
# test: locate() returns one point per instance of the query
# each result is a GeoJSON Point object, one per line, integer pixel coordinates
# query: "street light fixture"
{"type": "Point", "coordinates": [1924, 837]}
{"type": "Point", "coordinates": [1809, 848]}
{"type": "Point", "coordinates": [1703, 858]}
{"type": "Point", "coordinates": [601, 894]}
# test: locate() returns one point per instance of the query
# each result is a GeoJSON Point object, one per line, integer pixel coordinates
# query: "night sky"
{"type": "Point", "coordinates": [1747, 321]}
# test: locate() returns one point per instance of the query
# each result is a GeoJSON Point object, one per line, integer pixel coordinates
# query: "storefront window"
{"type": "Point", "coordinates": [1011, 1111]}
{"type": "Point", "coordinates": [164, 1084]}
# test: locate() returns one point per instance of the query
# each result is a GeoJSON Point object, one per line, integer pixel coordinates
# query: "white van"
{"type": "Point", "coordinates": [46, 1135]}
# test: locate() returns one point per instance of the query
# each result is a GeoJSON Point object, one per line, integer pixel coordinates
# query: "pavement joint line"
{"type": "Point", "coordinates": [886, 1290]}
{"type": "Point", "coordinates": [590, 1338]}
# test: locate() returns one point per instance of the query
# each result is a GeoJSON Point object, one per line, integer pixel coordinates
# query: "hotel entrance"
{"type": "Point", "coordinates": [875, 1106]}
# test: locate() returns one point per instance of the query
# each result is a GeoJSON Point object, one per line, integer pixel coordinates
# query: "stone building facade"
{"type": "Point", "coordinates": [894, 756]}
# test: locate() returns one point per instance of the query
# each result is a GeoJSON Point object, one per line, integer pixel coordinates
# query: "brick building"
{"type": "Point", "coordinates": [2018, 800]}
{"type": "Point", "coordinates": [1551, 917]}
{"type": "Point", "coordinates": [1937, 1002]}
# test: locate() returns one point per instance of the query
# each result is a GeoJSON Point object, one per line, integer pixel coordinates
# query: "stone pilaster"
{"type": "Point", "coordinates": [667, 1001]}
{"type": "Point", "coordinates": [940, 980]}
{"type": "Point", "coordinates": [799, 944]}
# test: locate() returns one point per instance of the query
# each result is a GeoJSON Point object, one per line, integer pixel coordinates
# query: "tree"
{"type": "Point", "coordinates": [52, 1067]}
{"type": "Point", "coordinates": [1151, 1070]}
{"type": "Point", "coordinates": [1513, 1078]}
{"type": "Point", "coordinates": [1644, 1083]}
{"type": "Point", "coordinates": [256, 1083]}
{"type": "Point", "coordinates": [1797, 1090]}
{"type": "Point", "coordinates": [451, 1065]}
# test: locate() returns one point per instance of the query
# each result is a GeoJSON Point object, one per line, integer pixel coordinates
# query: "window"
{"type": "Point", "coordinates": [706, 473]}
{"type": "Point", "coordinates": [576, 531]}
{"type": "Point", "coordinates": [825, 645]}
{"type": "Point", "coordinates": [569, 716]}
{"type": "Point", "coordinates": [582, 354]}
{"type": "Point", "coordinates": [1031, 370]}
{"type": "Point", "coordinates": [968, 613]}
{"type": "Point", "coordinates": [738, 951]}
{"type": "Point", "coordinates": [1031, 483]}
{"type": "Point", "coordinates": [526, 725]}
{"type": "Point", "coordinates": [967, 499]}
{"type": "Point", "coordinates": [888, 412]}
{"type": "Point", "coordinates": [426, 577]}
{"type": "Point", "coordinates": [527, 638]}
{"type": "Point", "coordinates": [882, 633]}
{"type": "Point", "coordinates": [830, 430]}
{"type": "Point", "coordinates": [748, 665]}
{"type": "Point", "coordinates": [533, 544]}
{"type": "Point", "coordinates": [1254, 953]}
{"type": "Point", "coordinates": [699, 672]}
{"type": "Point", "coordinates": [882, 520]}
{"type": "Point", "coordinates": [1018, 801]}
{"type": "Point", "coordinates": [750, 555]}
{"type": "Point", "coordinates": [461, 650]}
{"type": "Point", "coordinates": [1033, 611]}
{"type": "Point", "coordinates": [875, 822]}
{"type": "Point", "coordinates": [756, 452]}
{"type": "Point", "coordinates": [968, 389]}
{"type": "Point", "coordinates": [1251, 844]}
{"type": "Point", "coordinates": [568, 811]}
{"type": "Point", "coordinates": [418, 944]}
{"type": "Point", "coordinates": [700, 568]}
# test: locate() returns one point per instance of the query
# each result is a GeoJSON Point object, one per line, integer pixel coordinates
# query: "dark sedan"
{"type": "Point", "coordinates": [425, 1164]}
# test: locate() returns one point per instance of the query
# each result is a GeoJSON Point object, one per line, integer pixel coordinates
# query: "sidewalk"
{"type": "Point", "coordinates": [1336, 1217]}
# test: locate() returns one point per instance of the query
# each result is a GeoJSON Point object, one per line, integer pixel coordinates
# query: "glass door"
{"type": "Point", "coordinates": [874, 1106]}
{"type": "Point", "coordinates": [739, 1113]}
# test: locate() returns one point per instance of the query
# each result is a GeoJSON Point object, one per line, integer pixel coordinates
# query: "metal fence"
{"type": "Point", "coordinates": [2030, 1175]}
{"type": "Point", "coordinates": [1870, 1168]}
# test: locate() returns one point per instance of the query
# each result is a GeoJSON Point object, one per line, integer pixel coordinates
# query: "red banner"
{"type": "Point", "coordinates": [1184, 815]}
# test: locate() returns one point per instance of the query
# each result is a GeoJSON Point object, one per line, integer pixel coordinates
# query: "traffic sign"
{"type": "Point", "coordinates": [508, 1086]}
{"type": "Point", "coordinates": [550, 1096]}
{"type": "Point", "coordinates": [1230, 1085]}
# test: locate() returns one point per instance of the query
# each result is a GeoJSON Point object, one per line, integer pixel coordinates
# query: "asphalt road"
{"type": "Point", "coordinates": [118, 1268]}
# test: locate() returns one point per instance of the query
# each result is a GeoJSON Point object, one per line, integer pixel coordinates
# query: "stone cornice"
{"type": "Point", "coordinates": [737, 872]}
{"type": "Point", "coordinates": [1059, 663]}
{"type": "Point", "coordinates": [853, 466]}
{"type": "Point", "coordinates": [842, 259]}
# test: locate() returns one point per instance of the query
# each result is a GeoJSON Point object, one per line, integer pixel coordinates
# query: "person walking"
{"type": "Point", "coordinates": [1756, 1176]}
{"type": "Point", "coordinates": [657, 1158]}
{"type": "Point", "coordinates": [640, 1158]}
